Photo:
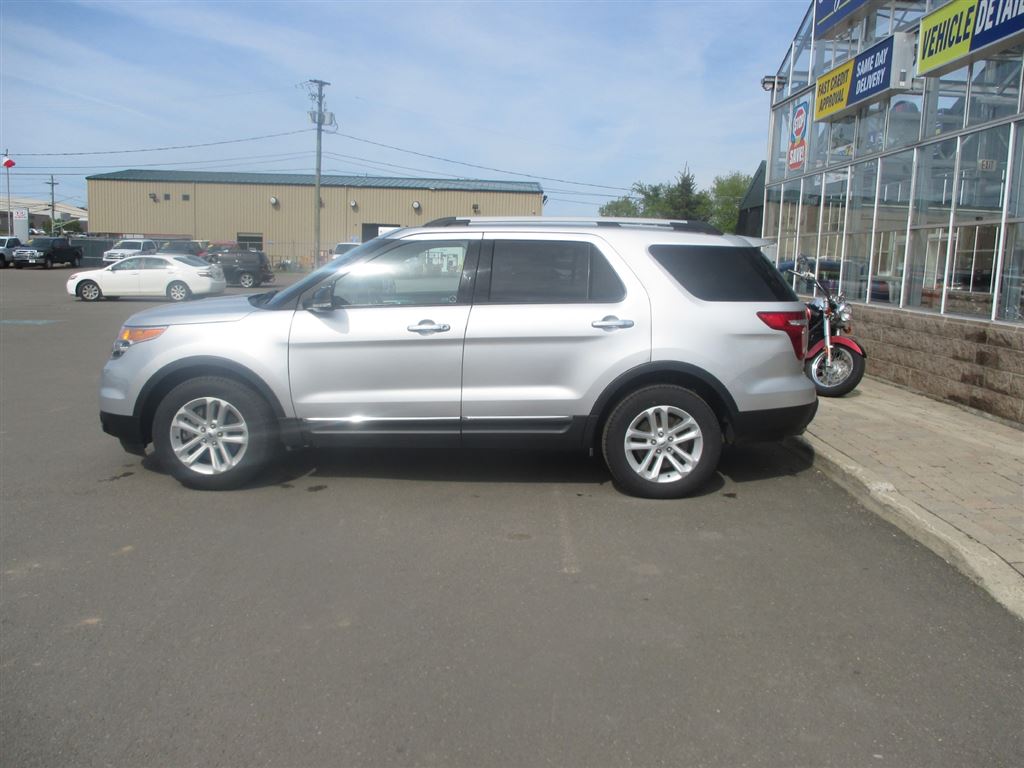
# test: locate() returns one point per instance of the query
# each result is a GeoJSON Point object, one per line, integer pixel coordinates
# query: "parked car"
{"type": "Point", "coordinates": [176, 277]}
{"type": "Point", "coordinates": [649, 342]}
{"type": "Point", "coordinates": [181, 248]}
{"type": "Point", "coordinates": [249, 269]}
{"type": "Point", "coordinates": [124, 248]}
{"type": "Point", "coordinates": [7, 246]}
{"type": "Point", "coordinates": [47, 251]}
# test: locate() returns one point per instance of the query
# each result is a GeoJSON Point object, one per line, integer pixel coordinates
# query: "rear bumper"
{"type": "Point", "coordinates": [772, 424]}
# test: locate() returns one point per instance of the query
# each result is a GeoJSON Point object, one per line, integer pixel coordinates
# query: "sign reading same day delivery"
{"type": "Point", "coordinates": [867, 77]}
{"type": "Point", "coordinates": [965, 30]}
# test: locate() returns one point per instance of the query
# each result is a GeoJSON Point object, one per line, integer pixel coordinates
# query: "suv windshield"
{"type": "Point", "coordinates": [292, 292]}
{"type": "Point", "coordinates": [128, 245]}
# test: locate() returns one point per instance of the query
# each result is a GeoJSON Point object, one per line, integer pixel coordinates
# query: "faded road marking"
{"type": "Point", "coordinates": [28, 322]}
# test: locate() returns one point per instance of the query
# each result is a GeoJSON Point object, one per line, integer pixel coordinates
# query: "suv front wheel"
{"type": "Point", "coordinates": [662, 442]}
{"type": "Point", "coordinates": [213, 433]}
{"type": "Point", "coordinates": [247, 280]}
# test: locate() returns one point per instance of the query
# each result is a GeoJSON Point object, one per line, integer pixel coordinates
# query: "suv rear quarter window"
{"type": "Point", "coordinates": [717, 273]}
{"type": "Point", "coordinates": [551, 272]}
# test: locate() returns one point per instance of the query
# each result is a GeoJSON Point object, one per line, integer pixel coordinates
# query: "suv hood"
{"type": "Point", "coordinates": [223, 310]}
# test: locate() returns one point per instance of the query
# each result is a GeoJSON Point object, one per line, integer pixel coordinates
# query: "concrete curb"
{"type": "Point", "coordinates": [970, 557]}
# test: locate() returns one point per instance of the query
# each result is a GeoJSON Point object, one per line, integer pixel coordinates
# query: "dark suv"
{"type": "Point", "coordinates": [248, 269]}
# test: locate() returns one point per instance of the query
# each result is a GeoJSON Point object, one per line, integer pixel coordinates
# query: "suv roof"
{"type": "Point", "coordinates": [581, 222]}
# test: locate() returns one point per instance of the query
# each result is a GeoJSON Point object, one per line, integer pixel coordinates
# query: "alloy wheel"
{"type": "Point", "coordinates": [209, 435]}
{"type": "Point", "coordinates": [663, 444]}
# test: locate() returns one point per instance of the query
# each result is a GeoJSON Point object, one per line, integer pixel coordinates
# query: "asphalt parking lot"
{"type": "Point", "coordinates": [396, 608]}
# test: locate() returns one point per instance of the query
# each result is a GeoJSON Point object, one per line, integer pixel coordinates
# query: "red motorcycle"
{"type": "Point", "coordinates": [834, 362]}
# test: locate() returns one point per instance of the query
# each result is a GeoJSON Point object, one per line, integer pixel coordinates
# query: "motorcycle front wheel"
{"type": "Point", "coordinates": [842, 376]}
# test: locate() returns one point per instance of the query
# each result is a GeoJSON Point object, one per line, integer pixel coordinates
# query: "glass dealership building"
{"type": "Point", "coordinates": [895, 154]}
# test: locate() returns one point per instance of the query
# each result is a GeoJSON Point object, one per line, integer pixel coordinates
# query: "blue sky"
{"type": "Point", "coordinates": [598, 93]}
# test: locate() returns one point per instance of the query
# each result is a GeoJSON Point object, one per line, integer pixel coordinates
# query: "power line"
{"type": "Point", "coordinates": [474, 165]}
{"type": "Point", "coordinates": [163, 149]}
{"type": "Point", "coordinates": [288, 156]}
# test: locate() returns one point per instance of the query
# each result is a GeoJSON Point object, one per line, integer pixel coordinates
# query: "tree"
{"type": "Point", "coordinates": [622, 207]}
{"type": "Point", "coordinates": [725, 196]}
{"type": "Point", "coordinates": [679, 200]}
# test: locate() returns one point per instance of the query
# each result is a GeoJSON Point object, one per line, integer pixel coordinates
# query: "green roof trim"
{"type": "Point", "coordinates": [308, 180]}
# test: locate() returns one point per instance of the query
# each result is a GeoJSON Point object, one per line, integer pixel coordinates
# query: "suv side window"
{"type": "Point", "coordinates": [415, 273]}
{"type": "Point", "coordinates": [551, 272]}
{"type": "Point", "coordinates": [716, 273]}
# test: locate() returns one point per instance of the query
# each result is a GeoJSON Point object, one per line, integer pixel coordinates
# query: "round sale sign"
{"type": "Point", "coordinates": [799, 122]}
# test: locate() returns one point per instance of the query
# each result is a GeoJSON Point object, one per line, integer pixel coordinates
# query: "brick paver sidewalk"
{"type": "Point", "coordinates": [951, 478]}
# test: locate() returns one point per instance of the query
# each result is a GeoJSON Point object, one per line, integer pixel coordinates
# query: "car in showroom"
{"type": "Point", "coordinates": [177, 277]}
{"type": "Point", "coordinates": [124, 248]}
{"type": "Point", "coordinates": [650, 343]}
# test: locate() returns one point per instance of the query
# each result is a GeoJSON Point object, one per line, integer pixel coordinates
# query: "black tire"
{"type": "Point", "coordinates": [48, 263]}
{"type": "Point", "coordinates": [247, 280]}
{"type": "Point", "coordinates": [5, 263]}
{"type": "Point", "coordinates": [18, 266]}
{"type": "Point", "coordinates": [88, 290]}
{"type": "Point", "coordinates": [680, 467]}
{"type": "Point", "coordinates": [850, 367]}
{"type": "Point", "coordinates": [178, 291]}
{"type": "Point", "coordinates": [76, 261]}
{"type": "Point", "coordinates": [188, 399]}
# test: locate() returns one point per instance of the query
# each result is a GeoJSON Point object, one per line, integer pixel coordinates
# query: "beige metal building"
{"type": "Point", "coordinates": [275, 211]}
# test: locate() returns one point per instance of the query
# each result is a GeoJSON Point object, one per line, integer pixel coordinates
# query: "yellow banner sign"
{"type": "Point", "coordinates": [833, 91]}
{"type": "Point", "coordinates": [946, 35]}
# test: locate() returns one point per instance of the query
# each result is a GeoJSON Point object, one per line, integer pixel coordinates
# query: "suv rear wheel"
{"type": "Point", "coordinates": [213, 433]}
{"type": "Point", "coordinates": [662, 442]}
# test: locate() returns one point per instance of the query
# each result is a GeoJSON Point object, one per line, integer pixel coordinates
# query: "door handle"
{"type": "Point", "coordinates": [611, 322]}
{"type": "Point", "coordinates": [429, 326]}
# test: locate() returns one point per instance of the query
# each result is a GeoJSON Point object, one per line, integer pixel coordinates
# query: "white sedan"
{"type": "Point", "coordinates": [176, 277]}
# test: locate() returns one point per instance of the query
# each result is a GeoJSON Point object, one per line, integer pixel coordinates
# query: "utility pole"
{"type": "Point", "coordinates": [53, 206]}
{"type": "Point", "coordinates": [318, 116]}
{"type": "Point", "coordinates": [10, 213]}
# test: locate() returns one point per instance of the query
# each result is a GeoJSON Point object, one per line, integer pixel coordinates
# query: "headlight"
{"type": "Point", "coordinates": [843, 313]}
{"type": "Point", "coordinates": [131, 335]}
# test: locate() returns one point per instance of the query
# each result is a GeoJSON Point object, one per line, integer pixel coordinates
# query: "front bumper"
{"type": "Point", "coordinates": [127, 429]}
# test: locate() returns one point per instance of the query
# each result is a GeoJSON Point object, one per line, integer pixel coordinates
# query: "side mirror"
{"type": "Point", "coordinates": [322, 300]}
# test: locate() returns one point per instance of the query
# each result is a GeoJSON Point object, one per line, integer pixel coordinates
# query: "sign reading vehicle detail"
{"type": "Point", "coordinates": [870, 76]}
{"type": "Point", "coordinates": [965, 30]}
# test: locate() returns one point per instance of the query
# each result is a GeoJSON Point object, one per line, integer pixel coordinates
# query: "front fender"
{"type": "Point", "coordinates": [838, 341]}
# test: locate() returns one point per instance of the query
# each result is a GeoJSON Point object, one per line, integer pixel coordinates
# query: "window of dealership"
{"type": "Point", "coordinates": [896, 146]}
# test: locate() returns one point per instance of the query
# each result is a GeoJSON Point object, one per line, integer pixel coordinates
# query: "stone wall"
{"type": "Point", "coordinates": [970, 362]}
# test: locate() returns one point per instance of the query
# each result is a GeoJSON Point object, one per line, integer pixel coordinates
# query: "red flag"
{"type": "Point", "coordinates": [8, 163]}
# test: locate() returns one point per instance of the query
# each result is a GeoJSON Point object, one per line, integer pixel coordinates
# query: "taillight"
{"type": "Point", "coordinates": [794, 324]}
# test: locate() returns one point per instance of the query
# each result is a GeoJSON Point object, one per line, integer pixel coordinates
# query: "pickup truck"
{"type": "Point", "coordinates": [47, 251]}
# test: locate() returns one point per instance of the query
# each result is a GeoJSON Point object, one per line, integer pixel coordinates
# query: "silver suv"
{"type": "Point", "coordinates": [651, 342]}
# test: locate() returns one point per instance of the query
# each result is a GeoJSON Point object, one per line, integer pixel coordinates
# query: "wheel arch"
{"type": "Point", "coordinates": [691, 377]}
{"type": "Point", "coordinates": [170, 376]}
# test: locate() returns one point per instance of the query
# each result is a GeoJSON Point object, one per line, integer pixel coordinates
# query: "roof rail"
{"type": "Point", "coordinates": [678, 225]}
